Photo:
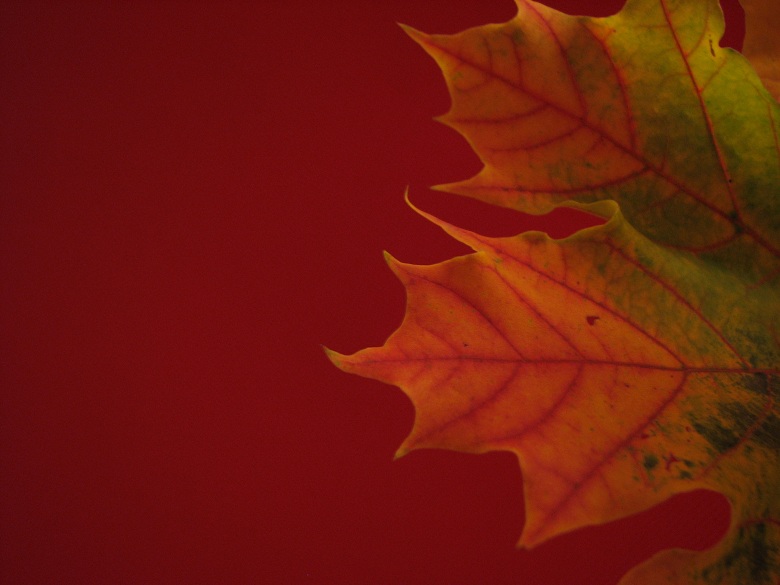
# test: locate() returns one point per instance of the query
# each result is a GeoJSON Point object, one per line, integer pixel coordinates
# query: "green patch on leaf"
{"type": "Point", "coordinates": [650, 461]}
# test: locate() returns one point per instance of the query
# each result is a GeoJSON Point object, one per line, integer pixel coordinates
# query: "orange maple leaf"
{"type": "Point", "coordinates": [633, 360]}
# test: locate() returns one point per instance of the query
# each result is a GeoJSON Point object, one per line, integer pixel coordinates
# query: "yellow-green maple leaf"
{"type": "Point", "coordinates": [630, 361]}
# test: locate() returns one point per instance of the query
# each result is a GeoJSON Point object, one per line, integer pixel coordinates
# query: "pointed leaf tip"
{"type": "Point", "coordinates": [334, 356]}
{"type": "Point", "coordinates": [390, 259]}
{"type": "Point", "coordinates": [414, 34]}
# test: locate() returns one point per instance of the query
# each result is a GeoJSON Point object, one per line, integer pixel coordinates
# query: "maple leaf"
{"type": "Point", "coordinates": [633, 360]}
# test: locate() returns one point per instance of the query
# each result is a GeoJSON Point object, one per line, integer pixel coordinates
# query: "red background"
{"type": "Point", "coordinates": [195, 195]}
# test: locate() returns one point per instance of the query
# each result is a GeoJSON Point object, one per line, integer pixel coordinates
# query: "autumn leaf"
{"type": "Point", "coordinates": [633, 360]}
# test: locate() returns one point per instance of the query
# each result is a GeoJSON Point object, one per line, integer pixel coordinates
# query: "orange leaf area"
{"type": "Point", "coordinates": [636, 359]}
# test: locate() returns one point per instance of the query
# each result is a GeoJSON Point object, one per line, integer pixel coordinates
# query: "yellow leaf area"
{"type": "Point", "coordinates": [633, 360]}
